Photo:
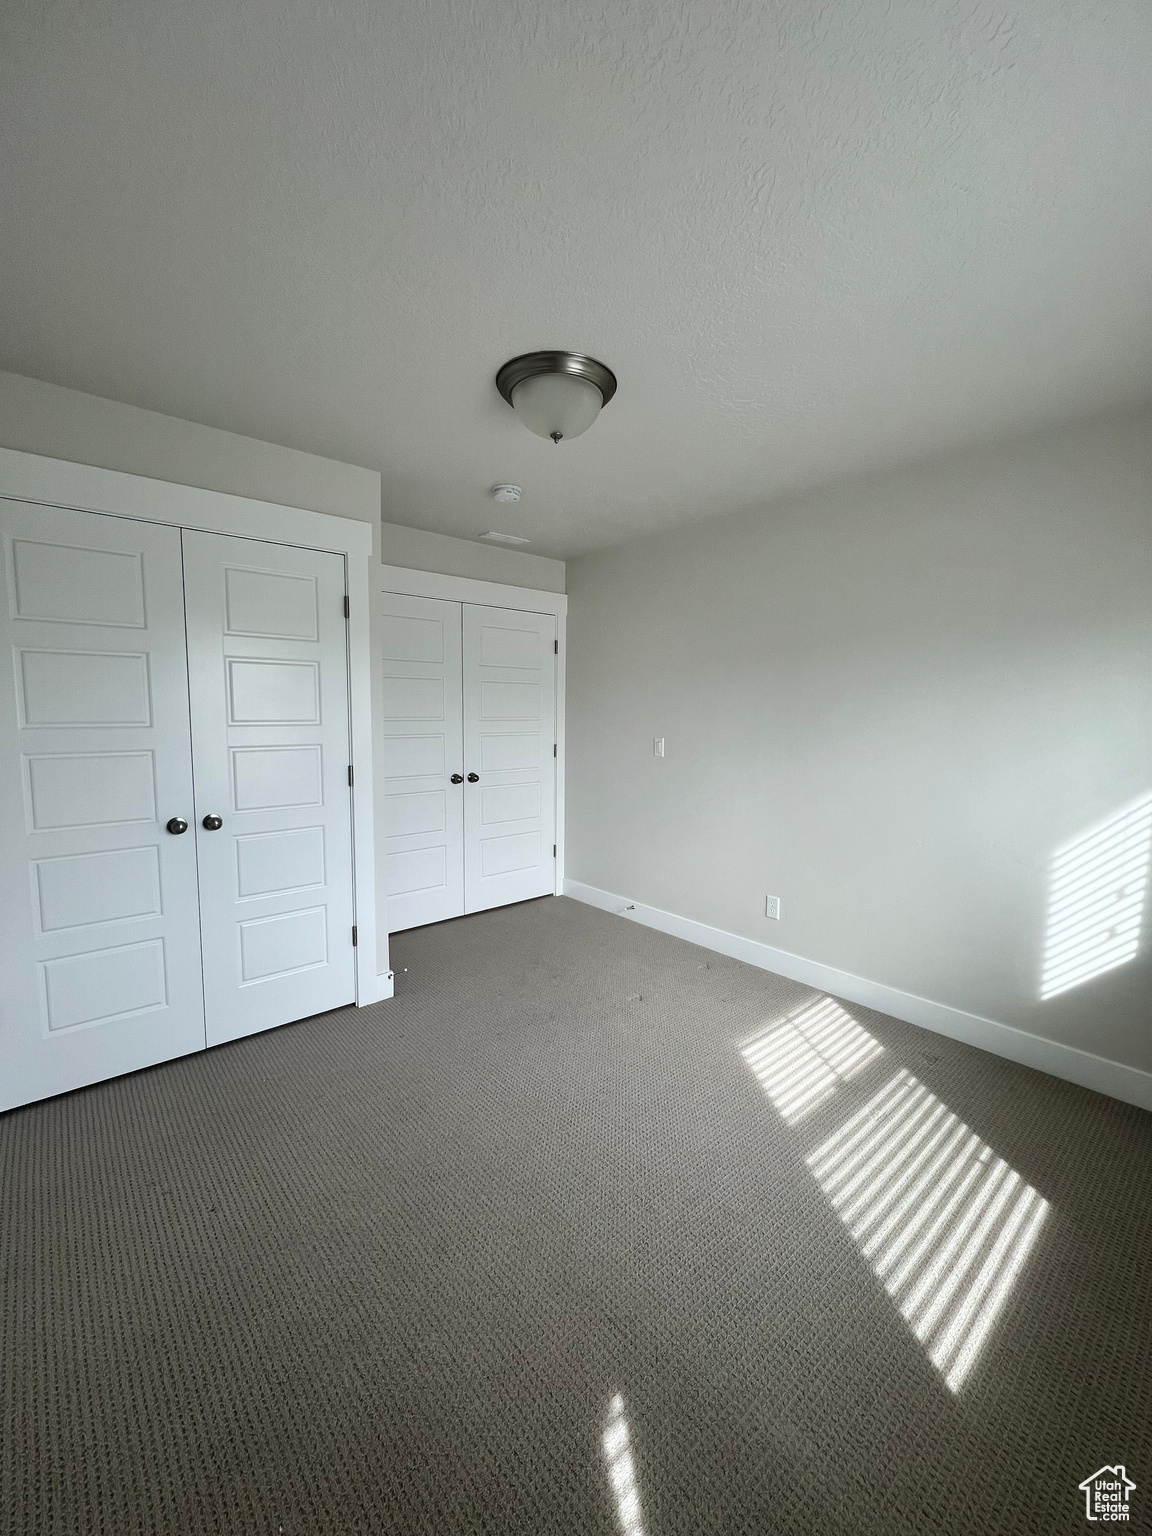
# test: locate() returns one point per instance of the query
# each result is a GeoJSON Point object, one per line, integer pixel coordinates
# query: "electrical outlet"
{"type": "Point", "coordinates": [658, 747]}
{"type": "Point", "coordinates": [772, 907]}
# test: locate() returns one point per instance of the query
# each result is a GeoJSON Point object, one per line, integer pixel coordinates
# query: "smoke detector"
{"type": "Point", "coordinates": [505, 493]}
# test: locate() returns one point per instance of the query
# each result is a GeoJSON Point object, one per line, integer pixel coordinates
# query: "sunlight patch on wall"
{"type": "Point", "coordinates": [617, 1442]}
{"type": "Point", "coordinates": [944, 1222]}
{"type": "Point", "coordinates": [1096, 902]}
{"type": "Point", "coordinates": [801, 1061]}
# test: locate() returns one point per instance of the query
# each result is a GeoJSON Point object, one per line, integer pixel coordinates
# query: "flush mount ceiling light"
{"type": "Point", "coordinates": [556, 394]}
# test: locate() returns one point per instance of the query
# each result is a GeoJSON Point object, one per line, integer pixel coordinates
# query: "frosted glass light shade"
{"type": "Point", "coordinates": [556, 394]}
{"type": "Point", "coordinates": [557, 405]}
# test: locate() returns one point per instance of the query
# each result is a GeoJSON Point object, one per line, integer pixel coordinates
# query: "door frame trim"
{"type": "Point", "coordinates": [85, 488]}
{"type": "Point", "coordinates": [405, 582]}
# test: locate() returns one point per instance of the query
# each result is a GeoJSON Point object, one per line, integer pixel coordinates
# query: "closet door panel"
{"type": "Point", "coordinates": [418, 641]}
{"type": "Point", "coordinates": [100, 968]}
{"type": "Point", "coordinates": [509, 732]}
{"type": "Point", "coordinates": [269, 690]}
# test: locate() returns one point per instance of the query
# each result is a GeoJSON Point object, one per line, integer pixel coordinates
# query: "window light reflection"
{"type": "Point", "coordinates": [1096, 901]}
{"type": "Point", "coordinates": [944, 1222]}
{"type": "Point", "coordinates": [802, 1060]}
{"type": "Point", "coordinates": [617, 1442]}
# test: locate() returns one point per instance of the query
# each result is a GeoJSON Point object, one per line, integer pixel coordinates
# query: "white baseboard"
{"type": "Point", "coordinates": [383, 986]}
{"type": "Point", "coordinates": [1129, 1084]}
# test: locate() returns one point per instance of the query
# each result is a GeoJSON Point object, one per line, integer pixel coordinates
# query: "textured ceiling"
{"type": "Point", "coordinates": [811, 238]}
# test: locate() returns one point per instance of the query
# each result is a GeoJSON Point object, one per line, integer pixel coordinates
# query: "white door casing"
{"type": "Point", "coordinates": [100, 969]}
{"type": "Point", "coordinates": [268, 687]}
{"type": "Point", "coordinates": [509, 746]}
{"type": "Point", "coordinates": [421, 749]}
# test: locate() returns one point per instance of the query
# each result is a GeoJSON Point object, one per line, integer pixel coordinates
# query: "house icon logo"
{"type": "Point", "coordinates": [1106, 1494]}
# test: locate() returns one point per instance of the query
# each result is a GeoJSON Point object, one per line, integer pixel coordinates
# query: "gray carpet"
{"type": "Point", "coordinates": [402, 1269]}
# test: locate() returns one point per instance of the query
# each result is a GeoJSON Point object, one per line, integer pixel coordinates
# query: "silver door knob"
{"type": "Point", "coordinates": [177, 825]}
{"type": "Point", "coordinates": [212, 823]}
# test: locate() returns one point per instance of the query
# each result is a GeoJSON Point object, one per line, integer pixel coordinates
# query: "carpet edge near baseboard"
{"type": "Point", "coordinates": [1115, 1078]}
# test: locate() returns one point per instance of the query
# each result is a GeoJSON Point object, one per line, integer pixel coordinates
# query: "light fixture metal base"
{"type": "Point", "coordinates": [531, 364]}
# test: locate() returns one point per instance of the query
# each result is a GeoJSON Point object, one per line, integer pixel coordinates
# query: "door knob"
{"type": "Point", "coordinates": [212, 823]}
{"type": "Point", "coordinates": [177, 825]}
{"type": "Point", "coordinates": [473, 778]}
{"type": "Point", "coordinates": [457, 778]}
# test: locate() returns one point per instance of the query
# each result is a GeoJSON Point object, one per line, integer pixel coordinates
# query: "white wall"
{"type": "Point", "coordinates": [66, 424]}
{"type": "Point", "coordinates": [419, 550]}
{"type": "Point", "coordinates": [887, 704]}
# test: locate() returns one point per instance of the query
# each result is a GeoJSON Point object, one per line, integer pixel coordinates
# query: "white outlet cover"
{"type": "Point", "coordinates": [772, 908]}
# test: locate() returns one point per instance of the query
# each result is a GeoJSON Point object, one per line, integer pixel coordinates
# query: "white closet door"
{"type": "Point", "coordinates": [418, 640]}
{"type": "Point", "coordinates": [509, 732]}
{"type": "Point", "coordinates": [100, 960]}
{"type": "Point", "coordinates": [268, 682]}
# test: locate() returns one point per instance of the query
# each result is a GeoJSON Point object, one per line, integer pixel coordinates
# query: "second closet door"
{"type": "Point", "coordinates": [268, 685]}
{"type": "Point", "coordinates": [421, 765]}
{"type": "Point", "coordinates": [467, 766]}
{"type": "Point", "coordinates": [509, 736]}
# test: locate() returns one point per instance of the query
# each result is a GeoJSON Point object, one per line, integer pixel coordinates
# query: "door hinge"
{"type": "Point", "coordinates": [351, 775]}
{"type": "Point", "coordinates": [553, 749]}
{"type": "Point", "coordinates": [347, 606]}
{"type": "Point", "coordinates": [555, 647]}
{"type": "Point", "coordinates": [553, 850]}
{"type": "Point", "coordinates": [353, 935]}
